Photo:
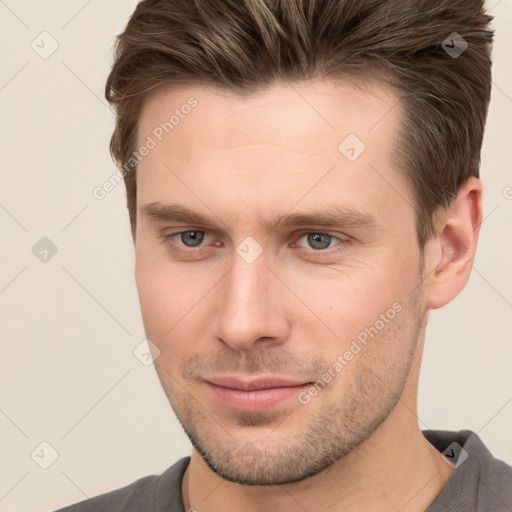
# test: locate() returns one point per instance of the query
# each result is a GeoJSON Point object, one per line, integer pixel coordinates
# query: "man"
{"type": "Point", "coordinates": [302, 184]}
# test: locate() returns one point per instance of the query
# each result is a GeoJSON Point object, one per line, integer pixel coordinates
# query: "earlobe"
{"type": "Point", "coordinates": [450, 254]}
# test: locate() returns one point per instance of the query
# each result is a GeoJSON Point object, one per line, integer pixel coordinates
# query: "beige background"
{"type": "Point", "coordinates": [69, 326]}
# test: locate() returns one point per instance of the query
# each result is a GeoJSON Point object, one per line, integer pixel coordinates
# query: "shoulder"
{"type": "Point", "coordinates": [147, 493]}
{"type": "Point", "coordinates": [495, 484]}
{"type": "Point", "coordinates": [480, 482]}
{"type": "Point", "coordinates": [137, 494]}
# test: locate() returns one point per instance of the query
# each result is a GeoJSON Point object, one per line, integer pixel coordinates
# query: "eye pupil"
{"type": "Point", "coordinates": [319, 240]}
{"type": "Point", "coordinates": [196, 237]}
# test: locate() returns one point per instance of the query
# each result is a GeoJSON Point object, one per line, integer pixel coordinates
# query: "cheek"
{"type": "Point", "coordinates": [164, 297]}
{"type": "Point", "coordinates": [362, 301]}
{"type": "Point", "coordinates": [161, 301]}
{"type": "Point", "coordinates": [174, 308]}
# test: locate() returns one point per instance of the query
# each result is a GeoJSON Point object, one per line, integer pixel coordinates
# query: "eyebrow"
{"type": "Point", "coordinates": [328, 217]}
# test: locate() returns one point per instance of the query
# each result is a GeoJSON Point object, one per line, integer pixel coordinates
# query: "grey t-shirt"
{"type": "Point", "coordinates": [479, 483]}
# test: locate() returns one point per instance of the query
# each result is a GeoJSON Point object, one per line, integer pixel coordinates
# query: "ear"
{"type": "Point", "coordinates": [449, 255]}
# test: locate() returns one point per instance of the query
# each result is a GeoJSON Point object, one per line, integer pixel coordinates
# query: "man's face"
{"type": "Point", "coordinates": [259, 290]}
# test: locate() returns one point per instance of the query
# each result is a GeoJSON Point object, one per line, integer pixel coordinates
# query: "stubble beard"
{"type": "Point", "coordinates": [343, 422]}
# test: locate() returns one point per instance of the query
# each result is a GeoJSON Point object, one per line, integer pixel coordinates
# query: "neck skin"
{"type": "Point", "coordinates": [396, 468]}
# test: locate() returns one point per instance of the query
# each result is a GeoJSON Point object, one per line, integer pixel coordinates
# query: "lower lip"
{"type": "Point", "coordinates": [257, 400]}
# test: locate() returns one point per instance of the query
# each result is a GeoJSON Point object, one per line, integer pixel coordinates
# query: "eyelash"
{"type": "Point", "coordinates": [343, 242]}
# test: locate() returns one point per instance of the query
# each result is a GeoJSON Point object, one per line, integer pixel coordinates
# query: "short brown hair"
{"type": "Point", "coordinates": [247, 45]}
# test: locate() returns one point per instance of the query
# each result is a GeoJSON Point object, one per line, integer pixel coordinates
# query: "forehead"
{"type": "Point", "coordinates": [283, 140]}
{"type": "Point", "coordinates": [285, 113]}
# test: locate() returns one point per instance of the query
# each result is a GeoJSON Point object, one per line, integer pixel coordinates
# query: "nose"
{"type": "Point", "coordinates": [252, 310]}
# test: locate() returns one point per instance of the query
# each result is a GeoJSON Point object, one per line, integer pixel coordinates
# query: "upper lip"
{"type": "Point", "coordinates": [249, 385]}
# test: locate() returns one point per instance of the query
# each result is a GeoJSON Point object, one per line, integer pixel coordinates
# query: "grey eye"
{"type": "Point", "coordinates": [319, 240]}
{"type": "Point", "coordinates": [192, 238]}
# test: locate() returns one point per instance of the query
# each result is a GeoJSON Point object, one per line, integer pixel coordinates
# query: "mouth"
{"type": "Point", "coordinates": [257, 395]}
